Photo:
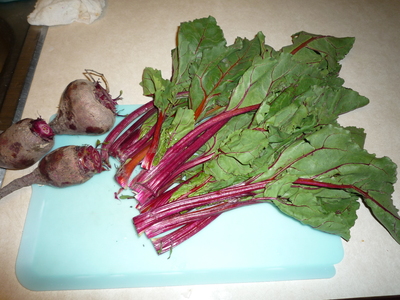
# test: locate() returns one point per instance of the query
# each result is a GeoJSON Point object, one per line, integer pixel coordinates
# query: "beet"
{"type": "Point", "coordinates": [64, 166]}
{"type": "Point", "coordinates": [24, 143]}
{"type": "Point", "coordinates": [85, 108]}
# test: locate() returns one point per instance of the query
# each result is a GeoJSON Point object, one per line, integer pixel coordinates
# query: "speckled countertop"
{"type": "Point", "coordinates": [132, 35]}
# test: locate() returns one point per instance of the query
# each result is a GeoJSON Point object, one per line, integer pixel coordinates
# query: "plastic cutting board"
{"type": "Point", "coordinates": [81, 237]}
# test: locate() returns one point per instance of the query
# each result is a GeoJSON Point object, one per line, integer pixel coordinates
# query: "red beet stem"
{"type": "Point", "coordinates": [118, 129]}
{"type": "Point", "coordinates": [176, 237]}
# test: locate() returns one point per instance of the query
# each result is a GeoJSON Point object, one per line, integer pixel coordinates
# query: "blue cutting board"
{"type": "Point", "coordinates": [81, 237]}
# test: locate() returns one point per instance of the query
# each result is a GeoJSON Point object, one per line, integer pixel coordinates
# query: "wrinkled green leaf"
{"type": "Point", "coordinates": [161, 89]}
{"type": "Point", "coordinates": [321, 50]}
{"type": "Point", "coordinates": [330, 156]}
{"type": "Point", "coordinates": [332, 211]}
{"type": "Point", "coordinates": [237, 154]}
{"type": "Point", "coordinates": [193, 38]}
{"type": "Point", "coordinates": [220, 69]}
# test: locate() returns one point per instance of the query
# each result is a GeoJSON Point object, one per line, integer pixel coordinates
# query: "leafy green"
{"type": "Point", "coordinates": [193, 39]}
{"type": "Point", "coordinates": [325, 51]}
{"type": "Point", "coordinates": [330, 157]}
{"type": "Point", "coordinates": [243, 123]}
{"type": "Point", "coordinates": [219, 71]}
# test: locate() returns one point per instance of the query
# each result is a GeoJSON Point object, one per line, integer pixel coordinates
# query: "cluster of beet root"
{"type": "Point", "coordinates": [85, 107]}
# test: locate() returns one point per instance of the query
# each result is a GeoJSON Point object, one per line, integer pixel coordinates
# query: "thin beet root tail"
{"type": "Point", "coordinates": [35, 177]}
{"type": "Point", "coordinates": [42, 129]}
{"type": "Point", "coordinates": [64, 166]}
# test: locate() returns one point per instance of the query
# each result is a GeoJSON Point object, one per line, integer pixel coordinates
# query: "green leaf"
{"type": "Point", "coordinates": [254, 84]}
{"type": "Point", "coordinates": [332, 211]}
{"type": "Point", "coordinates": [278, 188]}
{"type": "Point", "coordinates": [161, 89]}
{"type": "Point", "coordinates": [333, 160]}
{"type": "Point", "coordinates": [315, 107]}
{"type": "Point", "coordinates": [358, 135]}
{"type": "Point", "coordinates": [291, 118]}
{"type": "Point", "coordinates": [321, 50]}
{"type": "Point", "coordinates": [275, 81]}
{"type": "Point", "coordinates": [387, 216]}
{"type": "Point", "coordinates": [193, 38]}
{"type": "Point", "coordinates": [236, 123]}
{"type": "Point", "coordinates": [330, 102]}
{"type": "Point", "coordinates": [220, 69]}
{"type": "Point", "coordinates": [151, 81]}
{"type": "Point", "coordinates": [236, 154]}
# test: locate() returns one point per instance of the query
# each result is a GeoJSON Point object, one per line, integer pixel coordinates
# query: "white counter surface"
{"type": "Point", "coordinates": [132, 35]}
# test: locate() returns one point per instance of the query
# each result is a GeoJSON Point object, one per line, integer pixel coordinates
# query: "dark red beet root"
{"type": "Point", "coordinates": [65, 166]}
{"type": "Point", "coordinates": [85, 108]}
{"type": "Point", "coordinates": [24, 143]}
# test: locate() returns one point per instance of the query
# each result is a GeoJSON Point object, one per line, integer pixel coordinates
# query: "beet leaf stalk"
{"type": "Point", "coordinates": [119, 129]}
{"type": "Point", "coordinates": [154, 179]}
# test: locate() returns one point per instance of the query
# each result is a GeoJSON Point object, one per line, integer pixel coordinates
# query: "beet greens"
{"type": "Point", "coordinates": [245, 124]}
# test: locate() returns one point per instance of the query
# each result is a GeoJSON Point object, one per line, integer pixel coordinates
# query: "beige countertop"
{"type": "Point", "coordinates": [132, 35]}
